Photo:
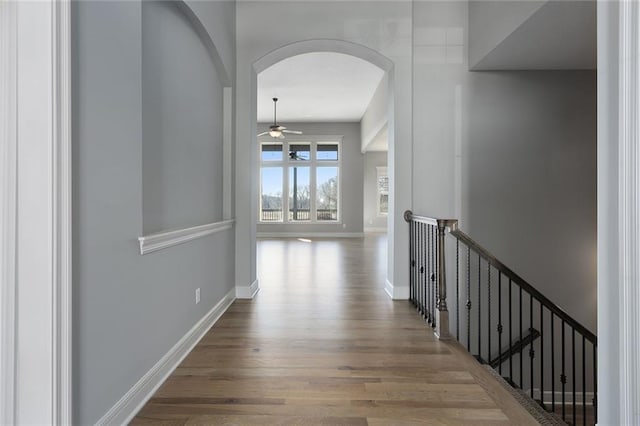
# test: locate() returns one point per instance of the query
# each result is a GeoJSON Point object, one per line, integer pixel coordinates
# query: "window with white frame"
{"type": "Point", "coordinates": [383, 191]}
{"type": "Point", "coordinates": [300, 181]}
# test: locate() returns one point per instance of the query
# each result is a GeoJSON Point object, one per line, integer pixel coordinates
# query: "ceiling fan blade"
{"type": "Point", "coordinates": [295, 132]}
{"type": "Point", "coordinates": [278, 127]}
{"type": "Point", "coordinates": [263, 133]}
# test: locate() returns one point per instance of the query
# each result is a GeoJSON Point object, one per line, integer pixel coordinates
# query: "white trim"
{"type": "Point", "coordinates": [302, 234]}
{"type": "Point", "coordinates": [8, 180]}
{"type": "Point", "coordinates": [629, 211]}
{"type": "Point", "coordinates": [128, 406]}
{"type": "Point", "coordinates": [248, 292]}
{"type": "Point", "coordinates": [165, 239]}
{"type": "Point", "coordinates": [37, 159]}
{"type": "Point", "coordinates": [396, 292]}
{"type": "Point", "coordinates": [62, 214]}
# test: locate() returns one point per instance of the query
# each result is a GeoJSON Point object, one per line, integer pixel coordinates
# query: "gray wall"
{"type": "Point", "coordinates": [372, 160]}
{"type": "Point", "coordinates": [351, 179]}
{"type": "Point", "coordinates": [129, 310]}
{"type": "Point", "coordinates": [511, 154]}
{"type": "Point", "coordinates": [181, 123]}
{"type": "Point", "coordinates": [530, 173]}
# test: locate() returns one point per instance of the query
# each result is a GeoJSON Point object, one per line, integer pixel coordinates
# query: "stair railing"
{"type": "Point", "coordinates": [497, 316]}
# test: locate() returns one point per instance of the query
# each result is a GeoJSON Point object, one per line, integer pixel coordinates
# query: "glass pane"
{"type": "Point", "coordinates": [271, 194]}
{"type": "Point", "coordinates": [271, 152]}
{"type": "Point", "coordinates": [384, 204]}
{"type": "Point", "coordinates": [327, 194]}
{"type": "Point", "coordinates": [327, 152]}
{"type": "Point", "coordinates": [383, 194]}
{"type": "Point", "coordinates": [383, 184]}
{"type": "Point", "coordinates": [299, 196]}
{"type": "Point", "coordinates": [300, 152]}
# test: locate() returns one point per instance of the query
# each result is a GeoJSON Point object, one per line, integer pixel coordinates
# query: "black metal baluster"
{"type": "Point", "coordinates": [573, 371]}
{"type": "Point", "coordinates": [457, 290]}
{"type": "Point", "coordinates": [531, 350]}
{"type": "Point", "coordinates": [419, 249]}
{"type": "Point", "coordinates": [434, 273]}
{"type": "Point", "coordinates": [423, 254]}
{"type": "Point", "coordinates": [510, 333]}
{"type": "Point", "coordinates": [412, 261]}
{"type": "Point", "coordinates": [563, 376]}
{"type": "Point", "coordinates": [432, 292]}
{"type": "Point", "coordinates": [425, 265]}
{"type": "Point", "coordinates": [427, 261]}
{"type": "Point", "coordinates": [553, 368]}
{"type": "Point", "coordinates": [468, 299]}
{"type": "Point", "coordinates": [541, 356]}
{"type": "Point", "coordinates": [584, 381]}
{"type": "Point", "coordinates": [521, 348]}
{"type": "Point", "coordinates": [500, 320]}
{"type": "Point", "coordinates": [429, 290]}
{"type": "Point", "coordinates": [479, 307]}
{"type": "Point", "coordinates": [430, 277]}
{"type": "Point", "coordinates": [488, 312]}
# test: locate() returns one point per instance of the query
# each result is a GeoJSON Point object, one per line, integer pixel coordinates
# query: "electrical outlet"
{"type": "Point", "coordinates": [197, 295]}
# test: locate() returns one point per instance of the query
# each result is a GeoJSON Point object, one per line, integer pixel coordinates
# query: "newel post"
{"type": "Point", "coordinates": [442, 313]}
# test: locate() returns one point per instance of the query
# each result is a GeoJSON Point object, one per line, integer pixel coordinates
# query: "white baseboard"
{"type": "Point", "coordinates": [303, 234]}
{"type": "Point", "coordinates": [376, 230]}
{"type": "Point", "coordinates": [128, 406]}
{"type": "Point", "coordinates": [247, 292]}
{"type": "Point", "coordinates": [396, 292]}
{"type": "Point", "coordinates": [568, 397]}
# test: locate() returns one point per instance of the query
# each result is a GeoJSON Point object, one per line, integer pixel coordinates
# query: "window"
{"type": "Point", "coordinates": [383, 191]}
{"type": "Point", "coordinates": [308, 172]}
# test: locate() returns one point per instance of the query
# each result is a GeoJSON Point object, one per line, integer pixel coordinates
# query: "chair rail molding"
{"type": "Point", "coordinates": [165, 239]}
{"type": "Point", "coordinates": [35, 163]}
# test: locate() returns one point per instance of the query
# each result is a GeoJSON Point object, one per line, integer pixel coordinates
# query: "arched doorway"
{"type": "Point", "coordinates": [247, 205]}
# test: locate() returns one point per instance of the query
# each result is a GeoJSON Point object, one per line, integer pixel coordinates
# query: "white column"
{"type": "Point", "coordinates": [36, 213]}
{"type": "Point", "coordinates": [629, 211]}
{"type": "Point", "coordinates": [618, 213]}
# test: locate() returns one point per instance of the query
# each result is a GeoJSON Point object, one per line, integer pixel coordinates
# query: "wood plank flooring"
{"type": "Point", "coordinates": [322, 344]}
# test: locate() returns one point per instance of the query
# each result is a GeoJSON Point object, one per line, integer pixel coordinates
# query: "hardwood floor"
{"type": "Point", "coordinates": [322, 344]}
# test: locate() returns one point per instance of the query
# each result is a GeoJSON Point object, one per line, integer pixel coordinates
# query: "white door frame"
{"type": "Point", "coordinates": [35, 212]}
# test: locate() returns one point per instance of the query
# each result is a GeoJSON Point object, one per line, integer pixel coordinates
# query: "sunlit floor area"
{"type": "Point", "coordinates": [322, 344]}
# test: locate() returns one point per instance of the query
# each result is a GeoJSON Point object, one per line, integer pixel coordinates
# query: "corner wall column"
{"type": "Point", "coordinates": [618, 212]}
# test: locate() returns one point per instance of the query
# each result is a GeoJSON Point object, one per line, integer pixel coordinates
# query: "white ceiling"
{"type": "Point", "coordinates": [316, 87]}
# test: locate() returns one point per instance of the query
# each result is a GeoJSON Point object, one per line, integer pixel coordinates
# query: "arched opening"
{"type": "Point", "coordinates": [312, 46]}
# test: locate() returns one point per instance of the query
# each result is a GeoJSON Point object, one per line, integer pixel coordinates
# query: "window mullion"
{"type": "Point", "coordinates": [312, 183]}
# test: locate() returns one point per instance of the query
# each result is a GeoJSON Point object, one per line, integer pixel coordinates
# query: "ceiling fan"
{"type": "Point", "coordinates": [275, 130]}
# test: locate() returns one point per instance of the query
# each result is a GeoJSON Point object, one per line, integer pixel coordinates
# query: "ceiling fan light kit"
{"type": "Point", "coordinates": [276, 131]}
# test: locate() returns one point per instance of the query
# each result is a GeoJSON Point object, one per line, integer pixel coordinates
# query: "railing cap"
{"type": "Point", "coordinates": [452, 224]}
